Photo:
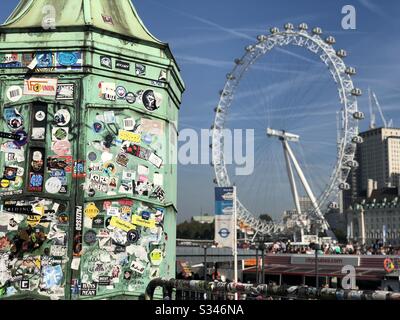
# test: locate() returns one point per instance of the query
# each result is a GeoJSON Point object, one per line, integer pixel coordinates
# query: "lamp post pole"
{"type": "Point", "coordinates": [205, 262]}
{"type": "Point", "coordinates": [316, 248]}
{"type": "Point", "coordinates": [257, 277]}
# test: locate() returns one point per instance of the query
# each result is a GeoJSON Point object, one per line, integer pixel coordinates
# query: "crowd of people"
{"type": "Point", "coordinates": [378, 248]}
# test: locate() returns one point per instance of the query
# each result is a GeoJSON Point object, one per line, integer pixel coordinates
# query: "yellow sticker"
{"type": "Point", "coordinates": [156, 257]}
{"type": "Point", "coordinates": [139, 221]}
{"type": "Point", "coordinates": [129, 136]}
{"type": "Point", "coordinates": [34, 219]}
{"type": "Point", "coordinates": [121, 224]}
{"type": "Point", "coordinates": [5, 183]}
{"type": "Point", "coordinates": [91, 210]}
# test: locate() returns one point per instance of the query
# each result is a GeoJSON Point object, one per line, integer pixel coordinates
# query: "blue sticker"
{"type": "Point", "coordinates": [67, 59]}
{"type": "Point", "coordinates": [146, 215]}
{"type": "Point", "coordinates": [52, 276]}
{"type": "Point", "coordinates": [147, 139]}
{"type": "Point", "coordinates": [44, 59]}
{"type": "Point", "coordinates": [97, 127]}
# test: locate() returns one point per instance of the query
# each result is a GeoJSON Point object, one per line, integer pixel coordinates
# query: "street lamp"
{"type": "Point", "coordinates": [262, 248]}
{"type": "Point", "coordinates": [205, 262]}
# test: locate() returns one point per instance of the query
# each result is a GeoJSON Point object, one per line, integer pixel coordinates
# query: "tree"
{"type": "Point", "coordinates": [266, 217]}
{"type": "Point", "coordinates": [195, 230]}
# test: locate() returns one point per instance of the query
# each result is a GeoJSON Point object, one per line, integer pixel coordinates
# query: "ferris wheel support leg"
{"type": "Point", "coordinates": [291, 178]}
{"type": "Point", "coordinates": [304, 181]}
{"type": "Point", "coordinates": [292, 181]}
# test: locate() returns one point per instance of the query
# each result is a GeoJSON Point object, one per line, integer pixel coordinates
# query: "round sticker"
{"type": "Point", "coordinates": [151, 100]}
{"type": "Point", "coordinates": [53, 185]}
{"type": "Point", "coordinates": [90, 237]}
{"type": "Point", "coordinates": [15, 123]}
{"type": "Point", "coordinates": [109, 168]}
{"type": "Point", "coordinates": [62, 117]}
{"type": "Point", "coordinates": [63, 218]}
{"type": "Point", "coordinates": [92, 156]}
{"type": "Point", "coordinates": [133, 236]}
{"type": "Point", "coordinates": [91, 193]}
{"type": "Point", "coordinates": [147, 139]}
{"type": "Point", "coordinates": [23, 138]}
{"type": "Point", "coordinates": [4, 183]}
{"type": "Point", "coordinates": [60, 134]}
{"type": "Point", "coordinates": [14, 93]}
{"type": "Point", "coordinates": [61, 148]}
{"type": "Point", "coordinates": [121, 92]}
{"type": "Point", "coordinates": [91, 211]}
{"type": "Point", "coordinates": [40, 115]}
{"type": "Point", "coordinates": [130, 97]}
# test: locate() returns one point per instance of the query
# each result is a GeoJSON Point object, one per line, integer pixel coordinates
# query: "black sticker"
{"type": "Point", "coordinates": [39, 122]}
{"type": "Point", "coordinates": [106, 61]}
{"type": "Point", "coordinates": [98, 222]}
{"type": "Point", "coordinates": [90, 237]}
{"type": "Point", "coordinates": [122, 65]}
{"type": "Point", "coordinates": [133, 236]}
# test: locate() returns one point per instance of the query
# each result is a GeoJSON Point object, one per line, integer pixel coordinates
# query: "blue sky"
{"type": "Point", "coordinates": [206, 36]}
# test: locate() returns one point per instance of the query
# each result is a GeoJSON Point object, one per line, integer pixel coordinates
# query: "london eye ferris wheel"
{"type": "Point", "coordinates": [295, 91]}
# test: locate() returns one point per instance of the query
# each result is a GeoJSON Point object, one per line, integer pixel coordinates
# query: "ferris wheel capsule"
{"type": "Point", "coordinates": [350, 71]}
{"type": "Point", "coordinates": [341, 53]}
{"type": "Point", "coordinates": [274, 30]}
{"type": "Point", "coordinates": [249, 48]}
{"type": "Point", "coordinates": [261, 38]}
{"type": "Point", "coordinates": [356, 92]}
{"type": "Point", "coordinates": [333, 205]}
{"type": "Point", "coordinates": [330, 40]}
{"type": "Point", "coordinates": [303, 26]}
{"type": "Point", "coordinates": [358, 140]}
{"type": "Point", "coordinates": [344, 186]}
{"type": "Point", "coordinates": [317, 30]}
{"type": "Point", "coordinates": [230, 76]}
{"type": "Point", "coordinates": [352, 164]}
{"type": "Point", "coordinates": [238, 61]}
{"type": "Point", "coordinates": [358, 115]}
{"type": "Point", "coordinates": [289, 26]}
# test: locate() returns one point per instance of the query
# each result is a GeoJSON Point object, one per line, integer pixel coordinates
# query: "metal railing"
{"type": "Point", "coordinates": [203, 290]}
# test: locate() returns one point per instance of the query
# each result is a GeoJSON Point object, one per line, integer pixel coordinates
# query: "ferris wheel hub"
{"type": "Point", "coordinates": [283, 135]}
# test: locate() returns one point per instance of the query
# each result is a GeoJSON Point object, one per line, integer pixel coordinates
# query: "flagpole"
{"type": "Point", "coordinates": [234, 247]}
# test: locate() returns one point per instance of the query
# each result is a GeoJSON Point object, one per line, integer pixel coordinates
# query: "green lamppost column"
{"type": "Point", "coordinates": [89, 104]}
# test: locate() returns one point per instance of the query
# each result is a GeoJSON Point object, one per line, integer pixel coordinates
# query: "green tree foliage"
{"type": "Point", "coordinates": [266, 217]}
{"type": "Point", "coordinates": [195, 230]}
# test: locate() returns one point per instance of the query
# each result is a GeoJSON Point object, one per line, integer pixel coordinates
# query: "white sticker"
{"type": "Point", "coordinates": [62, 117]}
{"type": "Point", "coordinates": [129, 124]}
{"type": "Point", "coordinates": [76, 261]}
{"type": "Point", "coordinates": [40, 115]}
{"type": "Point", "coordinates": [143, 170]}
{"type": "Point", "coordinates": [14, 93]}
{"type": "Point", "coordinates": [137, 266]}
{"type": "Point", "coordinates": [106, 156]}
{"type": "Point", "coordinates": [53, 185]}
{"type": "Point", "coordinates": [37, 156]}
{"type": "Point", "coordinates": [158, 179]}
